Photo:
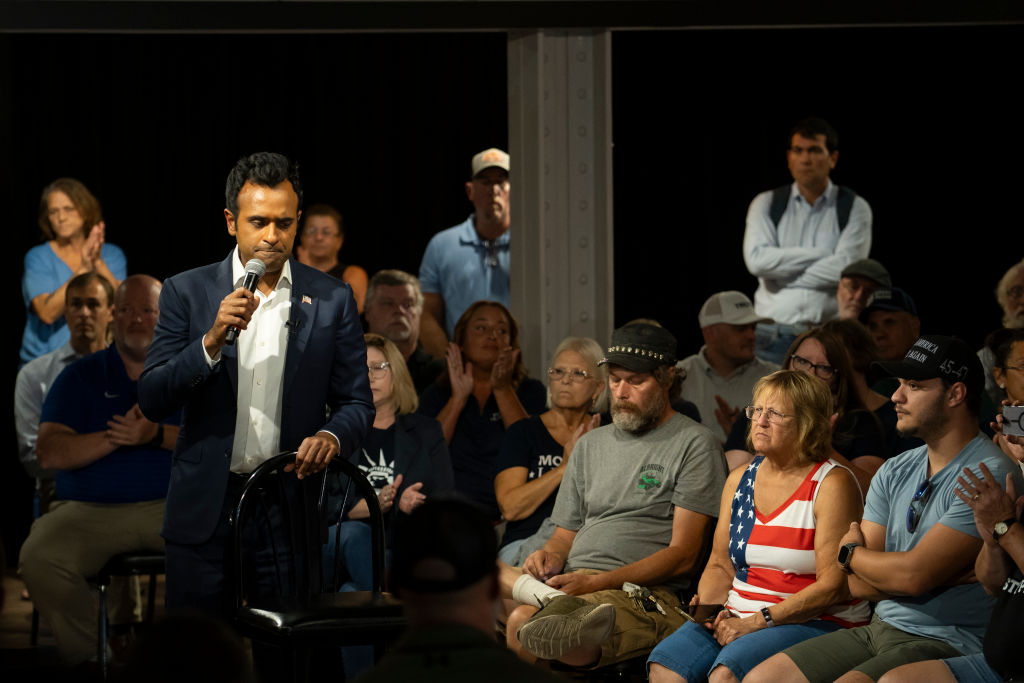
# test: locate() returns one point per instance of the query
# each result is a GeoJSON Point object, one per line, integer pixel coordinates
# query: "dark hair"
{"type": "Point", "coordinates": [1001, 343]}
{"type": "Point", "coordinates": [86, 204]}
{"type": "Point", "coordinates": [268, 169]}
{"type": "Point", "coordinates": [972, 399]}
{"type": "Point", "coordinates": [859, 345]}
{"type": "Point", "coordinates": [83, 280]}
{"type": "Point", "coordinates": [459, 337]}
{"type": "Point", "coordinates": [846, 400]}
{"type": "Point", "coordinates": [324, 210]}
{"type": "Point", "coordinates": [812, 127]}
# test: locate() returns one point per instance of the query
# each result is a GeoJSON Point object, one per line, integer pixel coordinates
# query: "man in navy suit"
{"type": "Point", "coordinates": [296, 380]}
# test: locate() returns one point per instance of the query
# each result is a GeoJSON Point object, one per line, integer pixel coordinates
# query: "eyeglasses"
{"type": "Point", "coordinates": [820, 369]}
{"type": "Point", "coordinates": [377, 370]}
{"type": "Point", "coordinates": [574, 376]}
{"type": "Point", "coordinates": [774, 416]}
{"type": "Point", "coordinates": [917, 503]}
{"type": "Point", "coordinates": [324, 231]}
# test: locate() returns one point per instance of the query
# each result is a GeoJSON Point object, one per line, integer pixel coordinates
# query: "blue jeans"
{"type": "Point", "coordinates": [692, 651]}
{"type": "Point", "coordinates": [772, 340]}
{"type": "Point", "coordinates": [355, 549]}
{"type": "Point", "coordinates": [972, 669]}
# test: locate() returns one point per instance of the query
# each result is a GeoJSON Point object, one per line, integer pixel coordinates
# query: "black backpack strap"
{"type": "Point", "coordinates": [780, 200]}
{"type": "Point", "coordinates": [844, 205]}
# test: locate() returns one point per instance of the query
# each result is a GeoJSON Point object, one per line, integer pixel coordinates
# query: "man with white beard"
{"type": "Point", "coordinates": [637, 503]}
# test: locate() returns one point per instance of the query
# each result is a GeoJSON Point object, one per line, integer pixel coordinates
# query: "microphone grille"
{"type": "Point", "coordinates": [256, 267]}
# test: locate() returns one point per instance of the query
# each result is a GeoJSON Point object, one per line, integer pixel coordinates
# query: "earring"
{"type": "Point", "coordinates": [1002, 386]}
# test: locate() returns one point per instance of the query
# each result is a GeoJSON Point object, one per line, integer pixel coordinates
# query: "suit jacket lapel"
{"type": "Point", "coordinates": [301, 317]}
{"type": "Point", "coordinates": [224, 286]}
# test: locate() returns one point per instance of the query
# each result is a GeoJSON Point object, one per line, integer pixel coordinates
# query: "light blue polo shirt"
{"type": "Point", "coordinates": [958, 614]}
{"type": "Point", "coordinates": [463, 267]}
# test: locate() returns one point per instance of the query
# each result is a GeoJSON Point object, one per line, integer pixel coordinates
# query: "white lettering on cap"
{"type": "Point", "coordinates": [917, 355]}
{"type": "Point", "coordinates": [927, 345]}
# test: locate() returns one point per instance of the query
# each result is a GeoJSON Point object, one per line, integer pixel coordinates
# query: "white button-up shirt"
{"type": "Point", "coordinates": [262, 348]}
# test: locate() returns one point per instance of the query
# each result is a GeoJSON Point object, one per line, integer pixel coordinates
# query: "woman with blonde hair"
{"type": "Point", "coordinates": [772, 579]}
{"type": "Point", "coordinates": [404, 456]}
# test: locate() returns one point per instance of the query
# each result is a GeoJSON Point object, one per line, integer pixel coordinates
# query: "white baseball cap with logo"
{"type": "Point", "coordinates": [489, 158]}
{"type": "Point", "coordinates": [730, 307]}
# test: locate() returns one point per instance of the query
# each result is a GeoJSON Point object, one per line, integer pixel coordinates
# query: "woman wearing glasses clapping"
{"type": "Point", "coordinates": [535, 451]}
{"type": "Point", "coordinates": [772, 580]}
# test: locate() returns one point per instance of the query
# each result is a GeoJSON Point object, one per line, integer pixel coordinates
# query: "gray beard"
{"type": "Point", "coordinates": [636, 419]}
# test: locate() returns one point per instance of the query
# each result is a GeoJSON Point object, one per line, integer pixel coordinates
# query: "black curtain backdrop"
{"type": "Point", "coordinates": [384, 126]}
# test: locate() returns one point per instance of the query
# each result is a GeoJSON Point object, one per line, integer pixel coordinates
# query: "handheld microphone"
{"type": "Point", "coordinates": [254, 270]}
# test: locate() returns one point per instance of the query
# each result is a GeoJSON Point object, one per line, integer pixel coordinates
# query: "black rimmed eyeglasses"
{"type": "Point", "coordinates": [917, 503]}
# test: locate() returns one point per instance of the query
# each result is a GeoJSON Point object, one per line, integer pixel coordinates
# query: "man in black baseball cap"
{"type": "Point", "coordinates": [891, 318]}
{"type": "Point", "coordinates": [857, 283]}
{"type": "Point", "coordinates": [919, 536]}
{"type": "Point", "coordinates": [636, 503]}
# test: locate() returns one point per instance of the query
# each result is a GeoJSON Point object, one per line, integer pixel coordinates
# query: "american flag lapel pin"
{"type": "Point", "coordinates": [306, 300]}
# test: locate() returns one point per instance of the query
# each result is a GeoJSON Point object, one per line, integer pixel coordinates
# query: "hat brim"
{"type": "Point", "coordinates": [632, 363]}
{"type": "Point", "coordinates": [903, 370]}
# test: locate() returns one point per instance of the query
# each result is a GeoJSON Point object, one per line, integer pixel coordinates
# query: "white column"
{"type": "Point", "coordinates": [559, 86]}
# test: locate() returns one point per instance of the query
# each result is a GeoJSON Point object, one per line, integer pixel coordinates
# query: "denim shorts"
{"type": "Point", "coordinates": [692, 651]}
{"type": "Point", "coordinates": [972, 669]}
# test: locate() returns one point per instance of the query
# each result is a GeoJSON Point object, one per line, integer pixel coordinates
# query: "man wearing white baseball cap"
{"type": "Point", "coordinates": [721, 376]}
{"type": "Point", "coordinates": [470, 262]}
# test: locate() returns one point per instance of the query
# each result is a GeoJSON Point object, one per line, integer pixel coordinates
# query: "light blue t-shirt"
{"type": "Point", "coordinates": [463, 267]}
{"type": "Point", "coordinates": [44, 273]}
{"type": "Point", "coordinates": [957, 615]}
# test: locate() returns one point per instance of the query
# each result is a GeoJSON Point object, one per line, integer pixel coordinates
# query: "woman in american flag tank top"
{"type": "Point", "coordinates": [773, 572]}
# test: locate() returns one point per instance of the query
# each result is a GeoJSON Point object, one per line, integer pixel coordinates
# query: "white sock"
{"type": "Point", "coordinates": [530, 591]}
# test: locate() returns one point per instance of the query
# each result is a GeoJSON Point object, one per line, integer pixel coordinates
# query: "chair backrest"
{"type": "Point", "coordinates": [279, 527]}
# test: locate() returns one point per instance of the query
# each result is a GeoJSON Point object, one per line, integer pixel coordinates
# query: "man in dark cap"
{"type": "Point", "coordinates": [913, 553]}
{"type": "Point", "coordinates": [636, 505]}
{"type": "Point", "coordinates": [891, 318]}
{"type": "Point", "coordinates": [444, 570]}
{"type": "Point", "coordinates": [857, 283]}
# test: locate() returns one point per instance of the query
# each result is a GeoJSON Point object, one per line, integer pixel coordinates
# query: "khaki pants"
{"type": "Point", "coordinates": [73, 541]}
{"type": "Point", "coordinates": [636, 631]}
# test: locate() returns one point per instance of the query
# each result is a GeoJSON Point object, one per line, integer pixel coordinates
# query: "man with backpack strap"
{"type": "Point", "coordinates": [799, 238]}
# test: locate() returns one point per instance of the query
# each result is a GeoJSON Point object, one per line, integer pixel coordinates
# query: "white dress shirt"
{"type": "Point", "coordinates": [262, 348]}
{"type": "Point", "coordinates": [799, 261]}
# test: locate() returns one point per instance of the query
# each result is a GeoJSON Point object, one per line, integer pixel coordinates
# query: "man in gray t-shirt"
{"type": "Point", "coordinates": [637, 504]}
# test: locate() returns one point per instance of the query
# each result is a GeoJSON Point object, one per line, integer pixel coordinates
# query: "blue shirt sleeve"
{"type": "Point", "coordinates": [41, 276]}
{"type": "Point", "coordinates": [115, 260]}
{"type": "Point", "coordinates": [877, 502]}
{"type": "Point", "coordinates": [61, 403]}
{"type": "Point", "coordinates": [430, 277]}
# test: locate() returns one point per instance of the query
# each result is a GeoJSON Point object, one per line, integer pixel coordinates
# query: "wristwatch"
{"type": "Point", "coordinates": [846, 556]}
{"type": "Point", "coordinates": [1002, 527]}
{"type": "Point", "coordinates": [767, 617]}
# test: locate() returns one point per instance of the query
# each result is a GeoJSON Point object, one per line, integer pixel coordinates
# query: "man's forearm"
{"type": "Point", "coordinates": [657, 568]}
{"type": "Point", "coordinates": [72, 451]}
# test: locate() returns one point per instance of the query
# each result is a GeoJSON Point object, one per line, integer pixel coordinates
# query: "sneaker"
{"type": "Point", "coordinates": [565, 623]}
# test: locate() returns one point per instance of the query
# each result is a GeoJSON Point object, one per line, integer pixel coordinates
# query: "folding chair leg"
{"type": "Point", "coordinates": [101, 632]}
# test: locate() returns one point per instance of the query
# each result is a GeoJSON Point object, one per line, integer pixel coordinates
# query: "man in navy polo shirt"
{"type": "Point", "coordinates": [113, 467]}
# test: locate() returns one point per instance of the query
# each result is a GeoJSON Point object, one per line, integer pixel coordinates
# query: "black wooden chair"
{"type": "Point", "coordinates": [294, 607]}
